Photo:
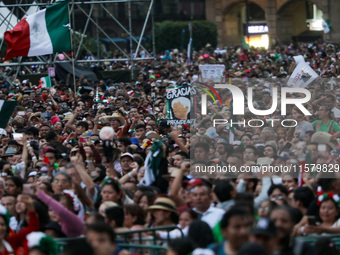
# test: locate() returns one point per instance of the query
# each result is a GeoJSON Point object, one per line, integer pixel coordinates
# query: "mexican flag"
{"type": "Point", "coordinates": [44, 32]}
{"type": "Point", "coordinates": [6, 109]}
{"type": "Point", "coordinates": [245, 45]}
{"type": "Point", "coordinates": [45, 82]}
{"type": "Point", "coordinates": [326, 26]}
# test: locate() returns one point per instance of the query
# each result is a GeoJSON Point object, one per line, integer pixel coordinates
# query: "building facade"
{"type": "Point", "coordinates": [262, 22]}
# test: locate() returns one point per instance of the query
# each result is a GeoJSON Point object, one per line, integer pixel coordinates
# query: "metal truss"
{"type": "Point", "coordinates": [86, 11]}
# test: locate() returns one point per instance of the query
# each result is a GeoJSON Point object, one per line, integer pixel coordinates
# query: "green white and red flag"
{"type": "Point", "coordinates": [42, 33]}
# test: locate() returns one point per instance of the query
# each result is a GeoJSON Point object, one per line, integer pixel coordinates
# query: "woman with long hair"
{"type": "Point", "coordinates": [164, 212]}
{"type": "Point", "coordinates": [86, 202]}
{"type": "Point", "coordinates": [329, 204]}
{"type": "Point", "coordinates": [325, 123]}
{"type": "Point", "coordinates": [113, 191]}
{"type": "Point", "coordinates": [10, 242]}
{"type": "Point", "coordinates": [134, 217]}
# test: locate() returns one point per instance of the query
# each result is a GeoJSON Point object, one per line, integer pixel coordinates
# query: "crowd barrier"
{"type": "Point", "coordinates": [311, 239]}
{"type": "Point", "coordinates": [144, 241]}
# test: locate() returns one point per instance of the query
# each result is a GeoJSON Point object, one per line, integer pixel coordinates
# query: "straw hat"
{"type": "Point", "coordinates": [120, 118]}
{"type": "Point", "coordinates": [152, 134]}
{"type": "Point", "coordinates": [105, 119]}
{"type": "Point", "coordinates": [165, 204]}
{"type": "Point", "coordinates": [68, 116]}
{"type": "Point", "coordinates": [324, 138]}
{"type": "Point", "coordinates": [115, 116]}
{"type": "Point", "coordinates": [35, 115]}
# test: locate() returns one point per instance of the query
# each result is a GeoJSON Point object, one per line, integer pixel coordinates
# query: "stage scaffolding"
{"type": "Point", "coordinates": [90, 11]}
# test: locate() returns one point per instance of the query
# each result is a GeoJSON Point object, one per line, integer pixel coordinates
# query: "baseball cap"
{"type": "Point", "coordinates": [198, 182]}
{"type": "Point", "coordinates": [283, 156]}
{"type": "Point", "coordinates": [134, 140]}
{"type": "Point", "coordinates": [32, 174]}
{"type": "Point", "coordinates": [126, 155]}
{"type": "Point", "coordinates": [265, 227]}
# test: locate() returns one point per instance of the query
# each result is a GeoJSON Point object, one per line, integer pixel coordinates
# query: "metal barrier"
{"type": "Point", "coordinates": [77, 243]}
{"type": "Point", "coordinates": [147, 240]}
{"type": "Point", "coordinates": [311, 239]}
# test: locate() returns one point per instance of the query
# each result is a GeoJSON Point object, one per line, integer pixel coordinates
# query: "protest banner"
{"type": "Point", "coordinates": [302, 75]}
{"type": "Point", "coordinates": [212, 72]}
{"type": "Point", "coordinates": [180, 105]}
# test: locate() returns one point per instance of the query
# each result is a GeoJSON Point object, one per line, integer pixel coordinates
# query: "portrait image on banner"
{"type": "Point", "coordinates": [179, 104]}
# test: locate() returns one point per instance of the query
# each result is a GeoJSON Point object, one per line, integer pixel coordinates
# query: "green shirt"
{"type": "Point", "coordinates": [217, 232]}
{"type": "Point", "coordinates": [331, 128]}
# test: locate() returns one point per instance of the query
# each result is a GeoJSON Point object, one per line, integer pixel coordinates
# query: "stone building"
{"type": "Point", "coordinates": [266, 21]}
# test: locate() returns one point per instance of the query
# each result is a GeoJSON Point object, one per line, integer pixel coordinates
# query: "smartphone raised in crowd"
{"type": "Point", "coordinates": [311, 220]}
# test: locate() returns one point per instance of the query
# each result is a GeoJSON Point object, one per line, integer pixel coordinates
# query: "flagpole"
{"type": "Point", "coordinates": [72, 45]}
{"type": "Point", "coordinates": [189, 57]}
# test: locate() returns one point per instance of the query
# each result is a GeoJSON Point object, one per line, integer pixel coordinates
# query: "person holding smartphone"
{"type": "Point", "coordinates": [328, 211]}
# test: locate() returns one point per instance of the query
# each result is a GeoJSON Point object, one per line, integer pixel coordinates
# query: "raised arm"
{"type": "Point", "coordinates": [70, 124]}
{"type": "Point", "coordinates": [71, 225]}
{"type": "Point", "coordinates": [86, 179]}
{"type": "Point", "coordinates": [174, 136]}
{"type": "Point", "coordinates": [176, 185]}
{"type": "Point", "coordinates": [24, 156]}
{"type": "Point", "coordinates": [266, 183]}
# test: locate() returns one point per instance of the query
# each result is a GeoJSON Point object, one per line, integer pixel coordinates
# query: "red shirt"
{"type": "Point", "coordinates": [16, 240]}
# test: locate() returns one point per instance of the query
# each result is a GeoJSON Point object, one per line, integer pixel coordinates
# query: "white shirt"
{"type": "Point", "coordinates": [211, 216]}
{"type": "Point", "coordinates": [13, 223]}
{"type": "Point", "coordinates": [336, 112]}
{"type": "Point", "coordinates": [173, 234]}
{"type": "Point", "coordinates": [118, 167]}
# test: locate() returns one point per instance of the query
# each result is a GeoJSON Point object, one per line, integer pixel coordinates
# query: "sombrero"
{"type": "Point", "coordinates": [165, 204]}
{"type": "Point", "coordinates": [120, 118]}
{"type": "Point", "coordinates": [115, 116]}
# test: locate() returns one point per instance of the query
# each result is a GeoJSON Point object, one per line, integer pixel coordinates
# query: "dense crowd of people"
{"type": "Point", "coordinates": [104, 161]}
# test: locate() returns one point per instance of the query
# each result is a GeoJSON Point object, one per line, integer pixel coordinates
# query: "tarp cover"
{"type": "Point", "coordinates": [62, 69]}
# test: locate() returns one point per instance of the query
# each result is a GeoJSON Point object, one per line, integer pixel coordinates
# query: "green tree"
{"type": "Point", "coordinates": [169, 34]}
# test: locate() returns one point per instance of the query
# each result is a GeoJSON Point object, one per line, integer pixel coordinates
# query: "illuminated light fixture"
{"type": "Point", "coordinates": [258, 29]}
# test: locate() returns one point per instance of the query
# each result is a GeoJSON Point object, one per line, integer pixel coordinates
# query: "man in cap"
{"type": "Point", "coordinates": [201, 201]}
{"type": "Point", "coordinates": [264, 234]}
{"type": "Point", "coordinates": [125, 161]}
